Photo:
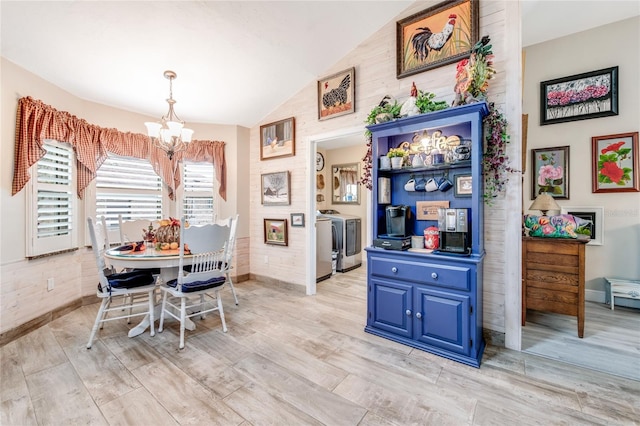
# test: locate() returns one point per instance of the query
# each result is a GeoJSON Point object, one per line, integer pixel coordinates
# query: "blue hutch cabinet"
{"type": "Point", "coordinates": [430, 301]}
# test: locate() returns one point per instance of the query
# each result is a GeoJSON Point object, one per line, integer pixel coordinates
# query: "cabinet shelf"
{"type": "Point", "coordinates": [427, 169]}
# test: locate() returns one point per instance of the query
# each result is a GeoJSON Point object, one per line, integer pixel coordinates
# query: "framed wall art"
{"type": "Point", "coordinates": [275, 232]}
{"type": "Point", "coordinates": [278, 139]}
{"type": "Point", "coordinates": [593, 214]}
{"type": "Point", "coordinates": [462, 186]}
{"type": "Point", "coordinates": [337, 94]}
{"type": "Point", "coordinates": [615, 163]}
{"type": "Point", "coordinates": [578, 97]}
{"type": "Point", "coordinates": [550, 172]}
{"type": "Point", "coordinates": [440, 35]}
{"type": "Point", "coordinates": [276, 189]}
{"type": "Point", "coordinates": [297, 219]}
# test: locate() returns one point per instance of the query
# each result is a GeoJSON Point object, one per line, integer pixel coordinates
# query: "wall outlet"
{"type": "Point", "coordinates": [50, 284]}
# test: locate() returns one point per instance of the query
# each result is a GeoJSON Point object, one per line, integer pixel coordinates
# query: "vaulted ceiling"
{"type": "Point", "coordinates": [236, 60]}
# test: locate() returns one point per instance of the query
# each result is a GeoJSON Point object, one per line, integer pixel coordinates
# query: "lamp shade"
{"type": "Point", "coordinates": [544, 202]}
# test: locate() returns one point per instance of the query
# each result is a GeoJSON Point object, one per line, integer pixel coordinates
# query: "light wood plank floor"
{"type": "Point", "coordinates": [289, 359]}
{"type": "Point", "coordinates": [611, 341]}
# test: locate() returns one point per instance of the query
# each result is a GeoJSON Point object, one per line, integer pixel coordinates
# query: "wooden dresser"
{"type": "Point", "coordinates": [553, 277]}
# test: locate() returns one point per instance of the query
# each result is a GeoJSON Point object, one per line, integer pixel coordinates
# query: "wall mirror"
{"type": "Point", "coordinates": [345, 183]}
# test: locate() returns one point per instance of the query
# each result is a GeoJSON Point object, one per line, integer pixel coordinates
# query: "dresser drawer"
{"type": "Point", "coordinates": [457, 277]}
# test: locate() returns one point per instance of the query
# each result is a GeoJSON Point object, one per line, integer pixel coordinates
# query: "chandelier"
{"type": "Point", "coordinates": [169, 134]}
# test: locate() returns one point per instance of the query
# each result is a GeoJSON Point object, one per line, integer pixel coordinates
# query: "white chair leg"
{"type": "Point", "coordinates": [99, 317]}
{"type": "Point", "coordinates": [233, 290]}
{"type": "Point", "coordinates": [152, 298]}
{"type": "Point", "coordinates": [164, 305]}
{"type": "Point", "coordinates": [202, 307]}
{"type": "Point", "coordinates": [183, 314]}
{"type": "Point", "coordinates": [224, 324]}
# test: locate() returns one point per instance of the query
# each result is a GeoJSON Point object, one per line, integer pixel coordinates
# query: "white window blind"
{"type": "Point", "coordinates": [198, 199]}
{"type": "Point", "coordinates": [52, 202]}
{"type": "Point", "coordinates": [129, 187]}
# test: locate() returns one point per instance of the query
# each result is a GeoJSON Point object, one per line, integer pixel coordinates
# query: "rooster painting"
{"type": "Point", "coordinates": [426, 40]}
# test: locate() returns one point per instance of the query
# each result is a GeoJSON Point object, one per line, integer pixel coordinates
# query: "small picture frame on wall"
{"type": "Point", "coordinates": [550, 172]}
{"type": "Point", "coordinates": [275, 232]}
{"type": "Point", "coordinates": [276, 189]}
{"type": "Point", "coordinates": [578, 97]}
{"type": "Point", "coordinates": [297, 219]}
{"type": "Point", "coordinates": [615, 163]}
{"type": "Point", "coordinates": [462, 186]}
{"type": "Point", "coordinates": [337, 94]}
{"type": "Point", "coordinates": [278, 139]}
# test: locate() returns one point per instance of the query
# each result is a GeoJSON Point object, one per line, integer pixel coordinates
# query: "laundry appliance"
{"type": "Point", "coordinates": [346, 233]}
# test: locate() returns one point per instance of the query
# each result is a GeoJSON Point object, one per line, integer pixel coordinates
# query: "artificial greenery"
{"type": "Point", "coordinates": [425, 102]}
{"type": "Point", "coordinates": [396, 152]}
{"type": "Point", "coordinates": [495, 161]}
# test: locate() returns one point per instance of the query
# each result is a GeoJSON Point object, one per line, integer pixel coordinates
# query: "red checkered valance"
{"type": "Point", "coordinates": [36, 121]}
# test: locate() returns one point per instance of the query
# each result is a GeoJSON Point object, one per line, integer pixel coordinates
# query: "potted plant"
{"type": "Point", "coordinates": [397, 156]}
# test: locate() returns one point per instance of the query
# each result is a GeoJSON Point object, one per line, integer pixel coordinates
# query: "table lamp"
{"type": "Point", "coordinates": [544, 202]}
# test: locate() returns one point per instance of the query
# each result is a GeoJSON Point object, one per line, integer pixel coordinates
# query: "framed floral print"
{"type": "Point", "coordinates": [577, 97]}
{"type": "Point", "coordinates": [615, 163]}
{"type": "Point", "coordinates": [550, 172]}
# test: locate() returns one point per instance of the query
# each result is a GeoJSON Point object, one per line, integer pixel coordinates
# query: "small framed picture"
{"type": "Point", "coordinates": [593, 214]}
{"type": "Point", "coordinates": [337, 94]}
{"type": "Point", "coordinates": [615, 163]}
{"type": "Point", "coordinates": [297, 219]}
{"type": "Point", "coordinates": [550, 172]}
{"type": "Point", "coordinates": [275, 232]}
{"type": "Point", "coordinates": [278, 139]}
{"type": "Point", "coordinates": [462, 186]}
{"type": "Point", "coordinates": [276, 189]}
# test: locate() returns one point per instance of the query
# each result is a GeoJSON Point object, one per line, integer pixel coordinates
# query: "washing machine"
{"type": "Point", "coordinates": [346, 231]}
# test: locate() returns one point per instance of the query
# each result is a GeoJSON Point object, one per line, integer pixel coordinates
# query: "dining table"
{"type": "Point", "coordinates": [167, 261]}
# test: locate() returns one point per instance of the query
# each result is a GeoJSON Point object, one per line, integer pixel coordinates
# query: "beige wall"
{"type": "Point", "coordinates": [615, 44]}
{"type": "Point", "coordinates": [23, 285]}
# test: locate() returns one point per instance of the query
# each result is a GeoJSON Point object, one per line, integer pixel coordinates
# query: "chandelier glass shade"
{"type": "Point", "coordinates": [169, 134]}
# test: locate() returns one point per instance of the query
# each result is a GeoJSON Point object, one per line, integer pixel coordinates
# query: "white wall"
{"type": "Point", "coordinates": [23, 291]}
{"type": "Point", "coordinates": [602, 47]}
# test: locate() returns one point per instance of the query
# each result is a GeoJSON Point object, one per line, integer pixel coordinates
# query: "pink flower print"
{"type": "Point", "coordinates": [549, 173]}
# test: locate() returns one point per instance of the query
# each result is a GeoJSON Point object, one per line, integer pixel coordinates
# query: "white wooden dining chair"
{"type": "Point", "coordinates": [197, 292]}
{"type": "Point", "coordinates": [133, 230]}
{"type": "Point", "coordinates": [232, 222]}
{"type": "Point", "coordinates": [138, 286]}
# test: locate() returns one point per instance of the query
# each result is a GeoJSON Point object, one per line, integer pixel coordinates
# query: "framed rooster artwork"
{"type": "Point", "coordinates": [337, 94]}
{"type": "Point", "coordinates": [440, 35]}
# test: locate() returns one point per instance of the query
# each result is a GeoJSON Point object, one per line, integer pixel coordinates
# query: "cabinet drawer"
{"type": "Point", "coordinates": [457, 277]}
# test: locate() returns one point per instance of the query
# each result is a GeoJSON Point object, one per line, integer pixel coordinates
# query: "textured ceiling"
{"type": "Point", "coordinates": [236, 61]}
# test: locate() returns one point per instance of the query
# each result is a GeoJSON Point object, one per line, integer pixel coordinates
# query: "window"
{"type": "Point", "coordinates": [198, 196]}
{"type": "Point", "coordinates": [51, 203]}
{"type": "Point", "coordinates": [129, 187]}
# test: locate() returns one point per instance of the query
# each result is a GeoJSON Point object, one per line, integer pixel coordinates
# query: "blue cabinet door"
{"type": "Point", "coordinates": [442, 319]}
{"type": "Point", "coordinates": [389, 306]}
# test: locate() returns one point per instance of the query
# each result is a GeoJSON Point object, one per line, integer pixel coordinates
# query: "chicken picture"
{"type": "Point", "coordinates": [425, 40]}
{"type": "Point", "coordinates": [337, 96]}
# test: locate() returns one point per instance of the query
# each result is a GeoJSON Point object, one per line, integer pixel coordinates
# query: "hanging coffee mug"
{"type": "Point", "coordinates": [432, 185]}
{"type": "Point", "coordinates": [445, 184]}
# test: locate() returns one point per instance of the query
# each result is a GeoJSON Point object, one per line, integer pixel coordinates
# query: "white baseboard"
{"type": "Point", "coordinates": [594, 296]}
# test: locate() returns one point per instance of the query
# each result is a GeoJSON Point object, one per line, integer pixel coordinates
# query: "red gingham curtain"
{"type": "Point", "coordinates": [36, 121]}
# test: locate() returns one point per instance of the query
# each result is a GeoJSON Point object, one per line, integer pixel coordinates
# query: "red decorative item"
{"type": "Point", "coordinates": [431, 238]}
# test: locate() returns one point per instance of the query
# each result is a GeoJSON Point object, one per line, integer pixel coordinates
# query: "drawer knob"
{"type": "Point", "coordinates": [418, 315]}
{"type": "Point", "coordinates": [408, 312]}
{"type": "Point", "coordinates": [434, 275]}
{"type": "Point", "coordinates": [394, 269]}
